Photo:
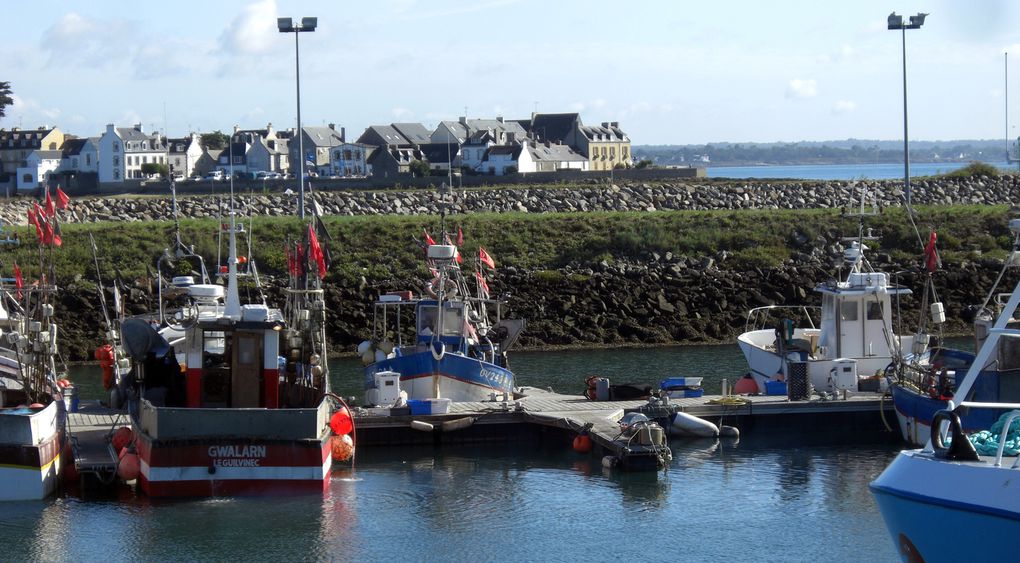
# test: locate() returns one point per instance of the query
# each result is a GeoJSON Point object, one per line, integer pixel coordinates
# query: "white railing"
{"type": "Point", "coordinates": [759, 317]}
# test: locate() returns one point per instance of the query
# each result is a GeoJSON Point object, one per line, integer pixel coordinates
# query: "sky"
{"type": "Point", "coordinates": [669, 72]}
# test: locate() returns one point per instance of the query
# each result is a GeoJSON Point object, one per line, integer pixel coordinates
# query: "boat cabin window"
{"type": "Point", "coordinates": [453, 320]}
{"type": "Point", "coordinates": [828, 304]}
{"type": "Point", "coordinates": [848, 311]}
{"type": "Point", "coordinates": [875, 311]}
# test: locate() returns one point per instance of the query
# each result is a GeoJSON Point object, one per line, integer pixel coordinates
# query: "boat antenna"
{"type": "Point", "coordinates": [232, 307]}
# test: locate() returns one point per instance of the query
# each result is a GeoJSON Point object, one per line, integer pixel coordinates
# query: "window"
{"type": "Point", "coordinates": [116, 174]}
{"type": "Point", "coordinates": [116, 161]}
{"type": "Point", "coordinates": [74, 162]}
{"type": "Point", "coordinates": [145, 159]}
{"type": "Point", "coordinates": [237, 160]}
{"type": "Point", "coordinates": [848, 311]}
{"type": "Point", "coordinates": [88, 160]}
{"type": "Point", "coordinates": [875, 311]}
{"type": "Point", "coordinates": [623, 152]}
{"type": "Point", "coordinates": [116, 147]}
{"type": "Point", "coordinates": [27, 179]}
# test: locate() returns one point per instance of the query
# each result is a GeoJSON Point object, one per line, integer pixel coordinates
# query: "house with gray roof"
{"type": "Point", "coordinates": [317, 143]}
{"type": "Point", "coordinates": [39, 166]}
{"type": "Point", "coordinates": [80, 155]}
{"type": "Point", "coordinates": [415, 133]}
{"type": "Point", "coordinates": [383, 136]}
{"type": "Point", "coordinates": [392, 162]}
{"type": "Point", "coordinates": [123, 151]}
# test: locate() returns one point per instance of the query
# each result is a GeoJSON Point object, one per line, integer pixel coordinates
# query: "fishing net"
{"type": "Point", "coordinates": [986, 442]}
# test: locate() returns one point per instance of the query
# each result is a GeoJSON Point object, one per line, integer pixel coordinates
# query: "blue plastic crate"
{"type": "Point", "coordinates": [680, 382]}
{"type": "Point", "coordinates": [419, 407]}
{"type": "Point", "coordinates": [775, 387]}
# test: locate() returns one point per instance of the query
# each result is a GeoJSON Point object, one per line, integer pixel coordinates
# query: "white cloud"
{"type": "Point", "coordinates": [802, 88]}
{"type": "Point", "coordinates": [253, 32]}
{"type": "Point", "coordinates": [844, 106]}
{"type": "Point", "coordinates": [80, 40]}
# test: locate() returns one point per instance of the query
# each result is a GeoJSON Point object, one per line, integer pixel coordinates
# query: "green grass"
{"type": "Point", "coordinates": [383, 247]}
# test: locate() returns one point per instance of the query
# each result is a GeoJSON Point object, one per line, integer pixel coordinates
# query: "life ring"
{"type": "Point", "coordinates": [437, 356]}
{"type": "Point", "coordinates": [960, 449]}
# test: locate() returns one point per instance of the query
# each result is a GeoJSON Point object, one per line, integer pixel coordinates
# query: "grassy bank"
{"type": "Point", "coordinates": [380, 247]}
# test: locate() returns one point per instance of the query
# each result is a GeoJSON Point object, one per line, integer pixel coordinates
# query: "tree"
{"type": "Point", "coordinates": [150, 168]}
{"type": "Point", "coordinates": [420, 168]}
{"type": "Point", "coordinates": [216, 140]}
{"type": "Point", "coordinates": [6, 97]}
{"type": "Point", "coordinates": [643, 163]}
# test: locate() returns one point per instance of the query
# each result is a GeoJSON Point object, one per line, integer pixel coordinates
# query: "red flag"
{"type": "Point", "coordinates": [18, 281]}
{"type": "Point", "coordinates": [931, 256]}
{"type": "Point", "coordinates": [428, 239]}
{"type": "Point", "coordinates": [62, 200]}
{"type": "Point", "coordinates": [50, 208]}
{"type": "Point", "coordinates": [485, 258]}
{"type": "Point", "coordinates": [460, 237]}
{"type": "Point", "coordinates": [484, 287]}
{"type": "Point", "coordinates": [32, 220]}
{"type": "Point", "coordinates": [55, 236]}
{"type": "Point", "coordinates": [291, 262]}
{"type": "Point", "coordinates": [316, 252]}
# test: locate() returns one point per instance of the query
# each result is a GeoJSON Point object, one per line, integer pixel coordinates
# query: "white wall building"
{"type": "Point", "coordinates": [123, 151]}
{"type": "Point", "coordinates": [39, 165]}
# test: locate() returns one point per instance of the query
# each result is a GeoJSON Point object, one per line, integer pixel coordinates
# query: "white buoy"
{"type": "Point", "coordinates": [689, 425]}
{"type": "Point", "coordinates": [422, 426]}
{"type": "Point", "coordinates": [364, 347]}
{"type": "Point", "coordinates": [729, 431]}
{"type": "Point", "coordinates": [458, 424]}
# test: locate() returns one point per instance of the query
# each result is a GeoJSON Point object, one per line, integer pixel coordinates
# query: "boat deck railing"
{"type": "Point", "coordinates": [759, 318]}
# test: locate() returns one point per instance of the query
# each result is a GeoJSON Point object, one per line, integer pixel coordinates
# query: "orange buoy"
{"type": "Point", "coordinates": [128, 468]}
{"type": "Point", "coordinates": [745, 385]}
{"type": "Point", "coordinates": [582, 443]}
{"type": "Point", "coordinates": [121, 438]}
{"type": "Point", "coordinates": [36, 406]}
{"type": "Point", "coordinates": [341, 422]}
{"type": "Point", "coordinates": [342, 447]}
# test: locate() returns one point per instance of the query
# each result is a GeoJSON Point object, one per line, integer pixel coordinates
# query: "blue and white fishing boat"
{"type": "Point", "coordinates": [952, 500]}
{"type": "Point", "coordinates": [446, 345]}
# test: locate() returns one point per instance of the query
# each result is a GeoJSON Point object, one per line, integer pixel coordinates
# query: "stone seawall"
{"type": "Point", "coordinates": [598, 196]}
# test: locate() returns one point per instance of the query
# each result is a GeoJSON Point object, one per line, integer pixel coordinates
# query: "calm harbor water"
{"type": "Point", "coordinates": [753, 499]}
{"type": "Point", "coordinates": [841, 171]}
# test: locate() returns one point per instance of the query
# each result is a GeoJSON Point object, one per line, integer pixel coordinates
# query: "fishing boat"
{"type": "Point", "coordinates": [833, 348]}
{"type": "Point", "coordinates": [33, 414]}
{"type": "Point", "coordinates": [951, 500]}
{"type": "Point", "coordinates": [233, 399]}
{"type": "Point", "coordinates": [450, 344]}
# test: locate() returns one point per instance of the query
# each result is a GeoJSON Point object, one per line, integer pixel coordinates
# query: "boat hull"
{"type": "Point", "coordinates": [453, 376]}
{"type": "Point", "coordinates": [231, 467]}
{"type": "Point", "coordinates": [211, 452]}
{"type": "Point", "coordinates": [948, 511]}
{"type": "Point", "coordinates": [30, 448]}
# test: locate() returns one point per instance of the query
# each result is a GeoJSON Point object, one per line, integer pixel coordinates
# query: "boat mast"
{"type": "Point", "coordinates": [233, 302]}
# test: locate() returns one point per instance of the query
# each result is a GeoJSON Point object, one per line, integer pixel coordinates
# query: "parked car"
{"type": "Point", "coordinates": [216, 175]}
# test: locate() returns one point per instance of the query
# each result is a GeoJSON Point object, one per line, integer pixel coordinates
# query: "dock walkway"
{"type": "Point", "coordinates": [572, 413]}
{"type": "Point", "coordinates": [90, 428]}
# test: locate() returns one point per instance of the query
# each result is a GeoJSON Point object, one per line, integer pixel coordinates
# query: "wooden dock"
{"type": "Point", "coordinates": [90, 429]}
{"type": "Point", "coordinates": [541, 412]}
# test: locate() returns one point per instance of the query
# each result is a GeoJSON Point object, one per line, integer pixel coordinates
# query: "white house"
{"type": "Point", "coordinates": [123, 151]}
{"type": "Point", "coordinates": [38, 167]}
{"type": "Point", "coordinates": [506, 159]}
{"type": "Point", "coordinates": [80, 155]}
{"type": "Point", "coordinates": [549, 157]}
{"type": "Point", "coordinates": [349, 159]}
{"type": "Point", "coordinates": [183, 154]}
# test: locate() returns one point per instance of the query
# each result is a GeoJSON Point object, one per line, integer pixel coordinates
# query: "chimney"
{"type": "Point", "coordinates": [236, 128]}
{"type": "Point", "coordinates": [615, 124]}
{"type": "Point", "coordinates": [605, 124]}
{"type": "Point", "coordinates": [343, 134]}
{"type": "Point", "coordinates": [269, 129]}
{"type": "Point", "coordinates": [109, 129]}
{"type": "Point", "coordinates": [332, 126]}
{"type": "Point", "coordinates": [138, 127]}
{"type": "Point", "coordinates": [499, 118]}
{"type": "Point", "coordinates": [463, 120]}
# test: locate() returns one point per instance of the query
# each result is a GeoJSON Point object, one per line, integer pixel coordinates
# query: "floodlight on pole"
{"type": "Point", "coordinates": [287, 25]}
{"type": "Point", "coordinates": [895, 22]}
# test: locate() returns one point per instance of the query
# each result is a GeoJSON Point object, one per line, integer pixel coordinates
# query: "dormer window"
{"type": "Point", "coordinates": [144, 145]}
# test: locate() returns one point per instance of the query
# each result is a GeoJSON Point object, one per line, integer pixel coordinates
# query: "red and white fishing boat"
{"type": "Point", "coordinates": [237, 402]}
{"type": "Point", "coordinates": [33, 416]}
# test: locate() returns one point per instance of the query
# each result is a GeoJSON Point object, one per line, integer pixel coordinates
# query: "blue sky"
{"type": "Point", "coordinates": [670, 72]}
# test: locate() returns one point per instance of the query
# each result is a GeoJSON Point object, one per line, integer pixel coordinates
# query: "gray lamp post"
{"type": "Point", "coordinates": [287, 25]}
{"type": "Point", "coordinates": [896, 22]}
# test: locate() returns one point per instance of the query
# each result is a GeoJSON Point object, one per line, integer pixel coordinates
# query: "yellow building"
{"type": "Point", "coordinates": [16, 144]}
{"type": "Point", "coordinates": [606, 145]}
